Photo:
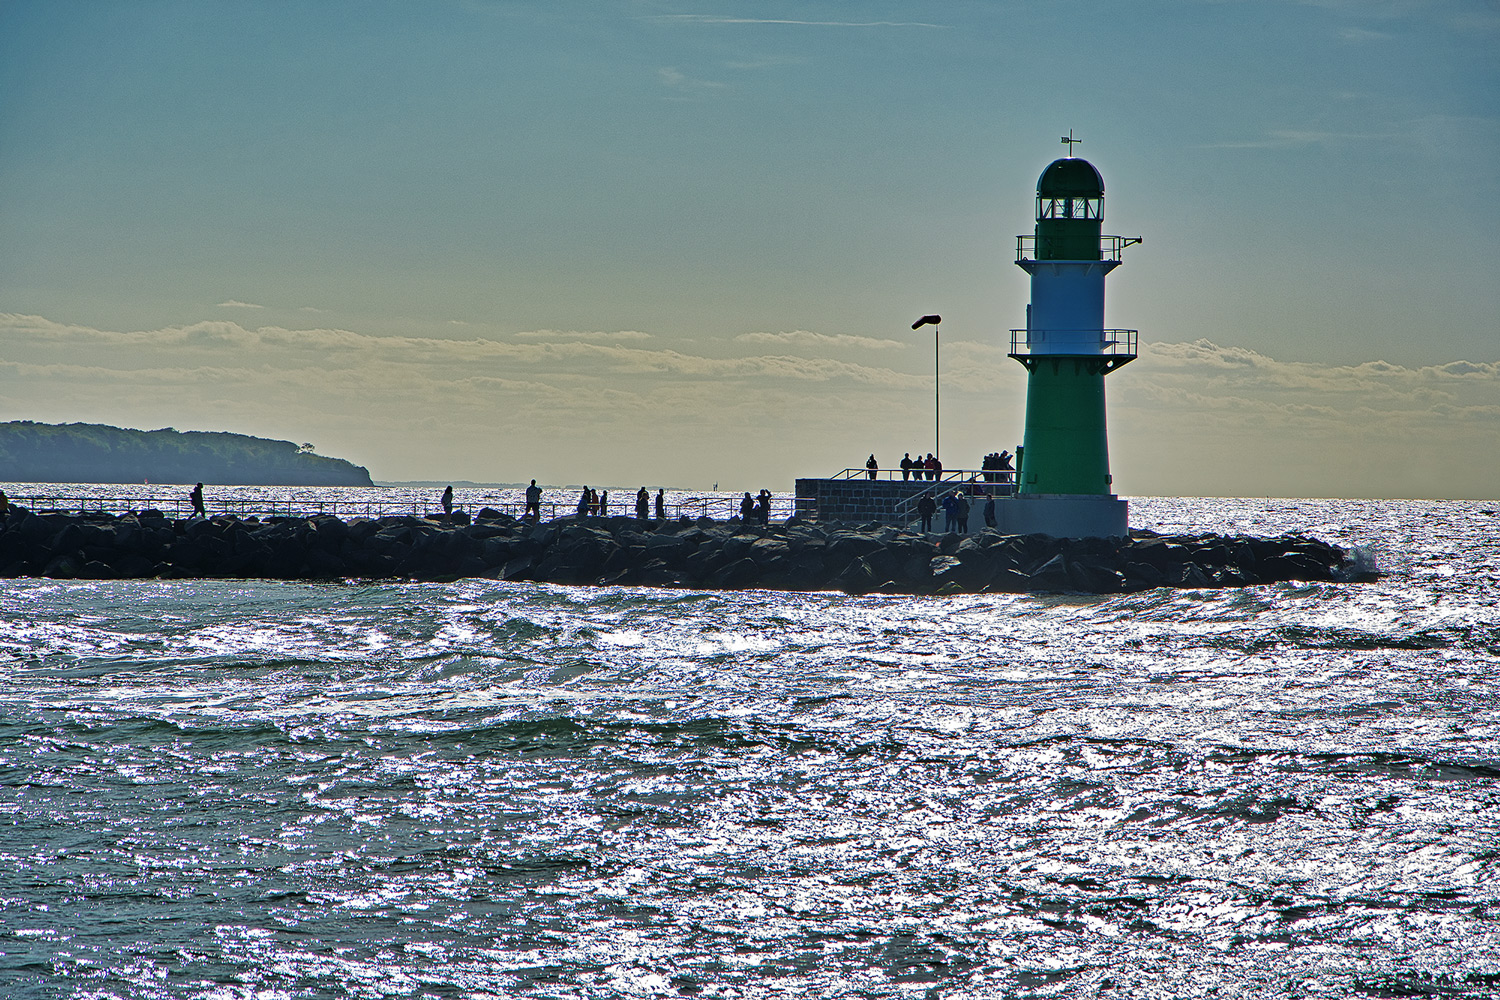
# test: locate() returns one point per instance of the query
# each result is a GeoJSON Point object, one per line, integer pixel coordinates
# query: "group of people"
{"type": "Point", "coordinates": [595, 503]}
{"type": "Point", "coordinates": [757, 510]}
{"type": "Point", "coordinates": [996, 467]}
{"type": "Point", "coordinates": [956, 509]}
{"type": "Point", "coordinates": [920, 467]}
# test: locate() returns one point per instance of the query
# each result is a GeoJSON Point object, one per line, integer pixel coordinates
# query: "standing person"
{"type": "Point", "coordinates": [950, 513]}
{"type": "Point", "coordinates": [925, 509]}
{"type": "Point", "coordinates": [448, 502]}
{"type": "Point", "coordinates": [196, 496]}
{"type": "Point", "coordinates": [661, 504]}
{"type": "Point", "coordinates": [747, 508]}
{"type": "Point", "coordinates": [533, 500]}
{"type": "Point", "coordinates": [906, 464]}
{"type": "Point", "coordinates": [763, 507]}
{"type": "Point", "coordinates": [931, 466]}
{"type": "Point", "coordinates": [989, 513]}
{"type": "Point", "coordinates": [585, 500]}
{"type": "Point", "coordinates": [961, 511]}
{"type": "Point", "coordinates": [873, 466]}
{"type": "Point", "coordinates": [937, 469]}
{"type": "Point", "coordinates": [643, 505]}
{"type": "Point", "coordinates": [604, 503]}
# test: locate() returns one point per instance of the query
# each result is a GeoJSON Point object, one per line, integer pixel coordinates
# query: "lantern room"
{"type": "Point", "coordinates": [1069, 210]}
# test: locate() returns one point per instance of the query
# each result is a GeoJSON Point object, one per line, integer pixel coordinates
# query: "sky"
{"type": "Point", "coordinates": [682, 242]}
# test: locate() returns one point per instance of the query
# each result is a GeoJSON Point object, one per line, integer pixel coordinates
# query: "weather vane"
{"type": "Point", "coordinates": [1070, 141]}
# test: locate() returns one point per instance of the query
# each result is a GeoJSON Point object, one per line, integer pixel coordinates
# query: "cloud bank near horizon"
{"type": "Point", "coordinates": [604, 406]}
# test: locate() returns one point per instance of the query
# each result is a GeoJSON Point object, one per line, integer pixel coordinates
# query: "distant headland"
{"type": "Point", "coordinates": [31, 452]}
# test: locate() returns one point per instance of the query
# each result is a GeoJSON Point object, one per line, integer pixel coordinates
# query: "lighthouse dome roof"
{"type": "Point", "coordinates": [1070, 176]}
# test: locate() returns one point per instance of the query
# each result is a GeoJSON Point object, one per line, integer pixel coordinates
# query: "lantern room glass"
{"type": "Point", "coordinates": [1069, 208]}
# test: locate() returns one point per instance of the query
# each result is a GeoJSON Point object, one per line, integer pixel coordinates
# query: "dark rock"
{"type": "Point", "coordinates": [518, 568]}
{"type": "Point", "coordinates": [737, 575]}
{"type": "Point", "coordinates": [800, 556]}
{"type": "Point", "coordinates": [96, 570]}
{"type": "Point", "coordinates": [943, 569]}
{"type": "Point", "coordinates": [66, 566]}
{"type": "Point", "coordinates": [1052, 574]}
{"type": "Point", "coordinates": [858, 577]}
{"type": "Point", "coordinates": [1090, 578]}
{"type": "Point", "coordinates": [1143, 576]}
{"type": "Point", "coordinates": [1011, 581]}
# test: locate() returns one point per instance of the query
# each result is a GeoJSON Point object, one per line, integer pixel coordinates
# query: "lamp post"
{"type": "Point", "coordinates": [937, 387]}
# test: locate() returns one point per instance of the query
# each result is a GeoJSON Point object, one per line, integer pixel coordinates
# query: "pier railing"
{"type": "Point", "coordinates": [564, 504]}
{"type": "Point", "coordinates": [952, 477]}
{"type": "Point", "coordinates": [977, 493]}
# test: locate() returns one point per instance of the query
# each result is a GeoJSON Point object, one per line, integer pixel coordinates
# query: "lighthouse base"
{"type": "Point", "coordinates": [1063, 515]}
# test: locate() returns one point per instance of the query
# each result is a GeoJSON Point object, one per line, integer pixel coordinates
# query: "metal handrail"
{"type": "Point", "coordinates": [907, 506]}
{"type": "Point", "coordinates": [718, 508]}
{"type": "Point", "coordinates": [1110, 247]}
{"type": "Point", "coordinates": [920, 475]}
{"type": "Point", "coordinates": [1112, 343]}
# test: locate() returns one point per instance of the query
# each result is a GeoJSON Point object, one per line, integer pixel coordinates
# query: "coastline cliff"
{"type": "Point", "coordinates": [32, 452]}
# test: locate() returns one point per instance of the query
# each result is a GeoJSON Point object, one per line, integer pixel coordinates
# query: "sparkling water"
{"type": "Point", "coordinates": [237, 789]}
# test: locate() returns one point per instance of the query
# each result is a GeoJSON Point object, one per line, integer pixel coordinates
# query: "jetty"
{"type": "Point", "coordinates": [623, 551]}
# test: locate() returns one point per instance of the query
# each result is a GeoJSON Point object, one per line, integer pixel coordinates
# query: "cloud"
{"type": "Point", "coordinates": [1204, 381]}
{"type": "Point", "coordinates": [676, 80]}
{"type": "Point", "coordinates": [766, 62]}
{"type": "Point", "coordinates": [583, 335]}
{"type": "Point", "coordinates": [806, 338]}
{"type": "Point", "coordinates": [233, 304]}
{"type": "Point", "coordinates": [1428, 134]}
{"type": "Point", "coordinates": [1359, 36]}
{"type": "Point", "coordinates": [1196, 417]}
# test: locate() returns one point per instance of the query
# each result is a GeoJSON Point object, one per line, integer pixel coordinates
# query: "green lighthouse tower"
{"type": "Point", "coordinates": [1067, 352]}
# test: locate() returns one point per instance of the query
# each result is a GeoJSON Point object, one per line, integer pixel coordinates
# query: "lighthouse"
{"type": "Point", "coordinates": [1064, 484]}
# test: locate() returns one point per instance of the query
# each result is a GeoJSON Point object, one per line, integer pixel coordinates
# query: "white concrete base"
{"type": "Point", "coordinates": [1061, 516]}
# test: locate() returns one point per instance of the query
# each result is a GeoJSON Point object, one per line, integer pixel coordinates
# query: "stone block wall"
{"type": "Point", "coordinates": [885, 501]}
{"type": "Point", "coordinates": [864, 500]}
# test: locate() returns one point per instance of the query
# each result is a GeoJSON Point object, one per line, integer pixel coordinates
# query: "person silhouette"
{"type": "Point", "coordinates": [533, 500]}
{"type": "Point", "coordinates": [926, 507]}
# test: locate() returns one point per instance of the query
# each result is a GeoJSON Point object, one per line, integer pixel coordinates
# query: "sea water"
{"type": "Point", "coordinates": [257, 789]}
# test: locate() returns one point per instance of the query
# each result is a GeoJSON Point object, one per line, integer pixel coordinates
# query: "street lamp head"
{"type": "Point", "coordinates": [934, 320]}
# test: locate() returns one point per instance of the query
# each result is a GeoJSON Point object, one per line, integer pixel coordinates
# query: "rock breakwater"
{"type": "Point", "coordinates": [624, 551]}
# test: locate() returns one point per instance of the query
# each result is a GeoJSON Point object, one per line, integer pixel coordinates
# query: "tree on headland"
{"type": "Point", "coordinates": [98, 453]}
